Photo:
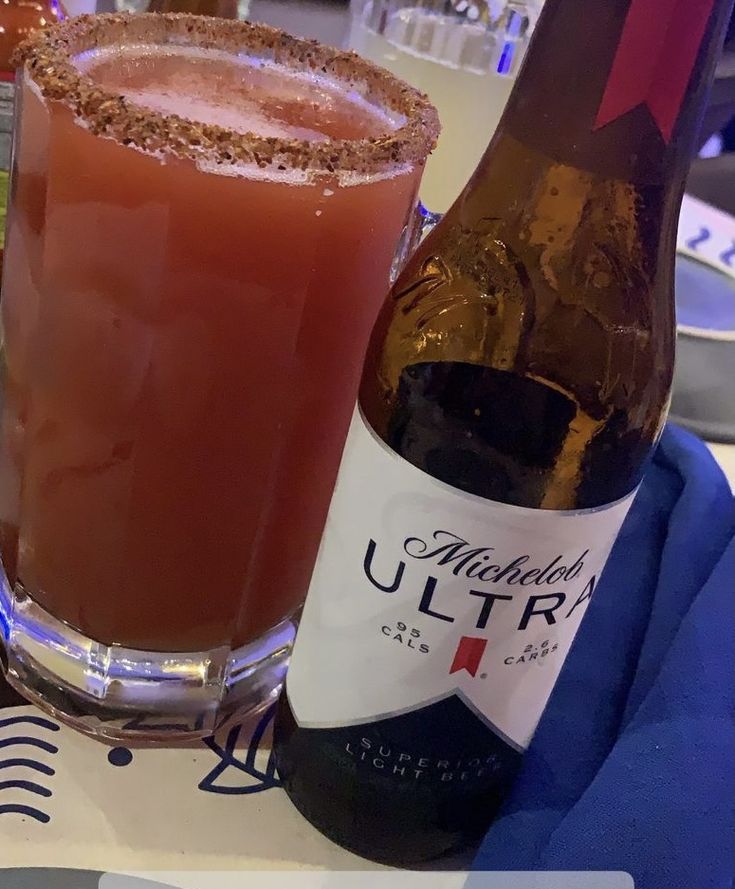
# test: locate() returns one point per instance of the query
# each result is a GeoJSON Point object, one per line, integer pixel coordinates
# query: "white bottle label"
{"type": "Point", "coordinates": [422, 592]}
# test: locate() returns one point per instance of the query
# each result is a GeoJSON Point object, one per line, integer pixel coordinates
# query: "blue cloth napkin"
{"type": "Point", "coordinates": [632, 764]}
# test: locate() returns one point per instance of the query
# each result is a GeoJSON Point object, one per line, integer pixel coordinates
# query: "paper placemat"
{"type": "Point", "coordinates": [67, 800]}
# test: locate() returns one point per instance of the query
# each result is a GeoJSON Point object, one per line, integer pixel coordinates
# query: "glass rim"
{"type": "Point", "coordinates": [48, 59]}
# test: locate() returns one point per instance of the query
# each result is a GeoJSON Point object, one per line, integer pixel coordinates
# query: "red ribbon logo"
{"type": "Point", "coordinates": [654, 60]}
{"type": "Point", "coordinates": [468, 655]}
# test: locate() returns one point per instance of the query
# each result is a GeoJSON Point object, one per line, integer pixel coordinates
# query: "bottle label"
{"type": "Point", "coordinates": [424, 596]}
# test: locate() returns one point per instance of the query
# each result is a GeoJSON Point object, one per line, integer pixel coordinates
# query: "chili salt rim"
{"type": "Point", "coordinates": [48, 54]}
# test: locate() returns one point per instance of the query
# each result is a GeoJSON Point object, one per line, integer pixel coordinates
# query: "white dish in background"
{"type": "Point", "coordinates": [703, 384]}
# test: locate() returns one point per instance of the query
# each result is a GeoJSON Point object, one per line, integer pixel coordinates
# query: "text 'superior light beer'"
{"type": "Point", "coordinates": [516, 381]}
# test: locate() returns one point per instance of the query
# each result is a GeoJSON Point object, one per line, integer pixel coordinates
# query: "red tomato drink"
{"type": "Point", "coordinates": [203, 219]}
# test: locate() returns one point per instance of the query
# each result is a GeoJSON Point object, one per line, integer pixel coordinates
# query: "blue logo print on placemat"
{"type": "Point", "coordinates": [259, 779]}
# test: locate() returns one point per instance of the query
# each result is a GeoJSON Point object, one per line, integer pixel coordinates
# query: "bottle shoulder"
{"type": "Point", "coordinates": [556, 286]}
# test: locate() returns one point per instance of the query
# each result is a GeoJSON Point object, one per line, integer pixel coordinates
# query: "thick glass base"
{"type": "Point", "coordinates": [121, 694]}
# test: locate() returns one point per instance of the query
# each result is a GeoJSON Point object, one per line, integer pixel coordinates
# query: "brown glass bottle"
{"type": "Point", "coordinates": [524, 356]}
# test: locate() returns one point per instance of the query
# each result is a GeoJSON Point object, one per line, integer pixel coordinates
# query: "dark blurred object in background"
{"type": "Point", "coordinates": [702, 399]}
{"type": "Point", "coordinates": [712, 179]}
{"type": "Point", "coordinates": [728, 134]}
{"type": "Point", "coordinates": [721, 106]}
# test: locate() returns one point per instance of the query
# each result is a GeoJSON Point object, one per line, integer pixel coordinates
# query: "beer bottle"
{"type": "Point", "coordinates": [515, 385]}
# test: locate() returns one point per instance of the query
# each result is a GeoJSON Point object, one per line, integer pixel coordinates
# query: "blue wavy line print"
{"type": "Point", "coordinates": [227, 754]}
{"type": "Point", "coordinates": [24, 786]}
{"type": "Point", "coordinates": [29, 742]}
{"type": "Point", "coordinates": [704, 235]}
{"type": "Point", "coordinates": [30, 720]}
{"type": "Point", "coordinates": [30, 786]}
{"type": "Point", "coordinates": [17, 809]}
{"type": "Point", "coordinates": [28, 764]}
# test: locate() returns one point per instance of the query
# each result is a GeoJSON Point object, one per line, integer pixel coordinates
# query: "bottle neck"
{"type": "Point", "coordinates": [618, 88]}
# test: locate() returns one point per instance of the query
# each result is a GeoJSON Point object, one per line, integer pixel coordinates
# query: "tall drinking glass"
{"type": "Point", "coordinates": [203, 217]}
{"type": "Point", "coordinates": [465, 55]}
